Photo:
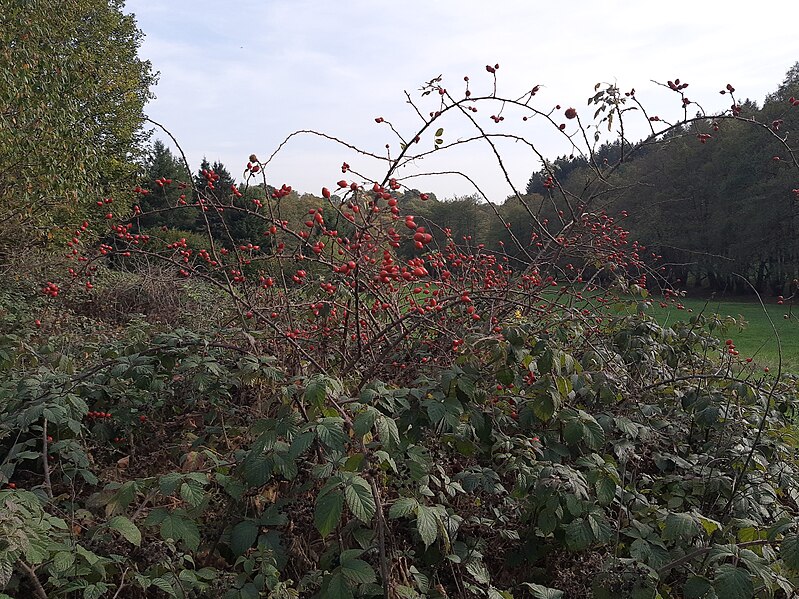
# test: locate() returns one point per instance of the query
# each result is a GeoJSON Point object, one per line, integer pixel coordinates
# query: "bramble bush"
{"type": "Point", "coordinates": [358, 404]}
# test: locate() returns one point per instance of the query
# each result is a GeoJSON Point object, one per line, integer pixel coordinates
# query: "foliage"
{"type": "Point", "coordinates": [72, 89]}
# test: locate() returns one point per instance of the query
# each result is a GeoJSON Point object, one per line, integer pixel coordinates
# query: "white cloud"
{"type": "Point", "coordinates": [238, 77]}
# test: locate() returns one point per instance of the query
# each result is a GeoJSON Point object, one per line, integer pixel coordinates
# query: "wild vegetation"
{"type": "Point", "coordinates": [222, 389]}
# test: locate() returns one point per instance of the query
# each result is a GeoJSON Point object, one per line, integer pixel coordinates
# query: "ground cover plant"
{"type": "Point", "coordinates": [225, 390]}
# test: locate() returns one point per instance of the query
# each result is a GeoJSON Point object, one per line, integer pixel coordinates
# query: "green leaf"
{"type": "Point", "coordinates": [301, 443]}
{"type": "Point", "coordinates": [573, 431]}
{"type": "Point", "coordinates": [331, 432]}
{"type": "Point", "coordinates": [316, 391]}
{"type": "Point", "coordinates": [192, 493]}
{"type": "Point", "coordinates": [547, 521]}
{"type": "Point", "coordinates": [402, 507]}
{"type": "Point", "coordinates": [164, 585]}
{"type": "Point", "coordinates": [544, 405]}
{"type": "Point", "coordinates": [698, 587]}
{"type": "Point", "coordinates": [680, 526]}
{"type": "Point", "coordinates": [328, 511]}
{"type": "Point", "coordinates": [338, 588]}
{"type": "Point", "coordinates": [579, 535]}
{"type": "Point", "coordinates": [505, 376]}
{"type": "Point", "coordinates": [354, 462]}
{"type": "Point", "coordinates": [789, 551]}
{"type": "Point", "coordinates": [439, 132]}
{"type": "Point", "coordinates": [176, 527]}
{"type": "Point", "coordinates": [733, 583]}
{"type": "Point", "coordinates": [359, 499]}
{"type": "Point", "coordinates": [62, 561]}
{"type": "Point", "coordinates": [479, 572]}
{"type": "Point", "coordinates": [541, 592]}
{"type": "Point", "coordinates": [426, 524]}
{"type": "Point", "coordinates": [365, 421]}
{"type": "Point", "coordinates": [169, 482]}
{"type": "Point", "coordinates": [126, 528]}
{"type": "Point", "coordinates": [467, 387]}
{"type": "Point", "coordinates": [257, 470]}
{"type": "Point", "coordinates": [358, 571]}
{"type": "Point", "coordinates": [593, 433]}
{"type": "Point", "coordinates": [710, 526]}
{"type": "Point", "coordinates": [388, 431]}
{"type": "Point", "coordinates": [605, 490]}
{"type": "Point", "coordinates": [243, 536]}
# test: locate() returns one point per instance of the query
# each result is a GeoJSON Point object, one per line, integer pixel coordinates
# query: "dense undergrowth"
{"type": "Point", "coordinates": [626, 461]}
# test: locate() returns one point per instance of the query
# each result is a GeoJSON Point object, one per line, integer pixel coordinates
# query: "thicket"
{"type": "Point", "coordinates": [355, 402]}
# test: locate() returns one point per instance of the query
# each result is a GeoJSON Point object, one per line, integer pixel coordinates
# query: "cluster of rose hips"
{"type": "Point", "coordinates": [99, 415]}
{"type": "Point", "coordinates": [51, 289]}
{"type": "Point", "coordinates": [210, 177]}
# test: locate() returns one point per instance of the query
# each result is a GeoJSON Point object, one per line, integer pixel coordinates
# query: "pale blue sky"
{"type": "Point", "coordinates": [238, 76]}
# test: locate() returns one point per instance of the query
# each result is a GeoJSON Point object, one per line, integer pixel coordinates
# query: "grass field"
{"type": "Point", "coordinates": [756, 339]}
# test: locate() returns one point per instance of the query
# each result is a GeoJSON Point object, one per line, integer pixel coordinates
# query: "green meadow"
{"type": "Point", "coordinates": [756, 338]}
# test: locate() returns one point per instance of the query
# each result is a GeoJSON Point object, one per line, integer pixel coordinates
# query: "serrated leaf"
{"type": "Point", "coordinates": [327, 513]}
{"type": "Point", "coordinates": [6, 572]}
{"type": "Point", "coordinates": [338, 588]}
{"type": "Point", "coordinates": [605, 490]}
{"type": "Point", "coordinates": [176, 527]}
{"type": "Point", "coordinates": [698, 587]}
{"type": "Point", "coordinates": [573, 431]}
{"type": "Point", "coordinates": [331, 433]}
{"type": "Point", "coordinates": [364, 421]}
{"type": "Point", "coordinates": [541, 592]}
{"type": "Point", "coordinates": [359, 499]}
{"type": "Point", "coordinates": [680, 526]}
{"type": "Point", "coordinates": [164, 585]}
{"type": "Point", "coordinates": [709, 525]}
{"type": "Point", "coordinates": [243, 536]}
{"type": "Point", "coordinates": [388, 431]}
{"type": "Point", "coordinates": [544, 405]}
{"type": "Point", "coordinates": [426, 524]}
{"type": "Point", "coordinates": [192, 493]}
{"type": "Point", "coordinates": [301, 443]}
{"type": "Point", "coordinates": [358, 571]}
{"type": "Point", "coordinates": [402, 507]}
{"type": "Point", "coordinates": [593, 433]}
{"type": "Point", "coordinates": [62, 561]}
{"type": "Point", "coordinates": [789, 551]}
{"type": "Point", "coordinates": [733, 583]}
{"type": "Point", "coordinates": [126, 528]}
{"type": "Point", "coordinates": [579, 535]}
{"type": "Point", "coordinates": [257, 470]}
{"type": "Point", "coordinates": [316, 391]}
{"type": "Point", "coordinates": [479, 572]}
